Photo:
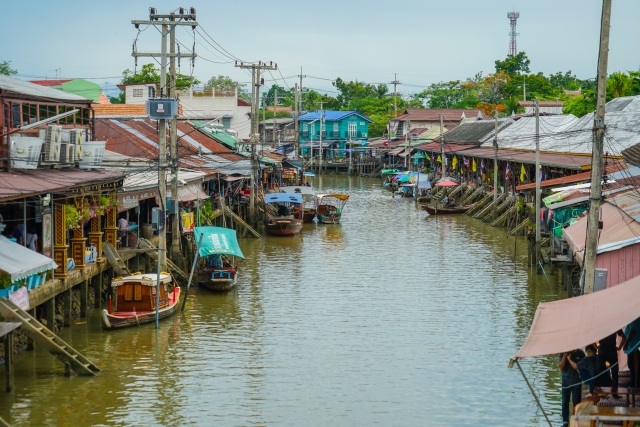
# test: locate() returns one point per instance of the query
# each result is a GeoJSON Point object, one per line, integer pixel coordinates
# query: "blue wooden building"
{"type": "Point", "coordinates": [339, 129]}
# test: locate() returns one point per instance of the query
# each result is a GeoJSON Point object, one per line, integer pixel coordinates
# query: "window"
{"type": "Point", "coordinates": [128, 292]}
{"type": "Point", "coordinates": [336, 126]}
{"type": "Point", "coordinates": [353, 126]}
{"type": "Point", "coordinates": [226, 123]}
{"type": "Point", "coordinates": [305, 127]}
{"type": "Point", "coordinates": [138, 93]}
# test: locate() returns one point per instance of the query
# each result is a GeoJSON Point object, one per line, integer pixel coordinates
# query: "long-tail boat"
{"type": "Point", "coordinates": [330, 207]}
{"type": "Point", "coordinates": [309, 200]}
{"type": "Point", "coordinates": [216, 271]}
{"type": "Point", "coordinates": [288, 218]}
{"type": "Point", "coordinates": [136, 300]}
{"type": "Point", "coordinates": [447, 210]}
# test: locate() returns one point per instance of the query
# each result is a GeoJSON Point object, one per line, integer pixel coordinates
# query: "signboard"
{"type": "Point", "coordinates": [187, 221]}
{"type": "Point", "coordinates": [20, 298]}
{"type": "Point", "coordinates": [132, 200]}
{"type": "Point", "coordinates": [47, 233]}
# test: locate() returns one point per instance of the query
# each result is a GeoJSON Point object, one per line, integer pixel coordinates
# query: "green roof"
{"type": "Point", "coordinates": [83, 88]}
{"type": "Point", "coordinates": [217, 134]}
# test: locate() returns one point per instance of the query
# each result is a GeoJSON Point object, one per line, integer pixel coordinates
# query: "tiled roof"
{"type": "Point", "coordinates": [243, 103]}
{"type": "Point", "coordinates": [49, 82]}
{"type": "Point", "coordinates": [429, 114]}
{"type": "Point", "coordinates": [104, 100]}
{"type": "Point", "coordinates": [21, 88]}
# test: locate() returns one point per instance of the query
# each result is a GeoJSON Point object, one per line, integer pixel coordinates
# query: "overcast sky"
{"type": "Point", "coordinates": [422, 41]}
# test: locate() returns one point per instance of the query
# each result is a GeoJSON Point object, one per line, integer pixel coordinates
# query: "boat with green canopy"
{"type": "Point", "coordinates": [217, 268]}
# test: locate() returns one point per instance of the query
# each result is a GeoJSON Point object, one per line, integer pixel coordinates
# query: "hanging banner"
{"type": "Point", "coordinates": [130, 200]}
{"type": "Point", "coordinates": [20, 298]}
{"type": "Point", "coordinates": [47, 233]}
{"type": "Point", "coordinates": [188, 222]}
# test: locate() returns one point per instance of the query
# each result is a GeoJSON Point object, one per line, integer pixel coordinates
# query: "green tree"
{"type": "Point", "coordinates": [618, 84]}
{"type": "Point", "coordinates": [286, 97]}
{"type": "Point", "coordinates": [581, 105]}
{"type": "Point", "coordinates": [150, 74]}
{"type": "Point", "coordinates": [221, 82]}
{"type": "Point", "coordinates": [634, 87]}
{"type": "Point", "coordinates": [513, 65]}
{"type": "Point", "coordinates": [5, 69]}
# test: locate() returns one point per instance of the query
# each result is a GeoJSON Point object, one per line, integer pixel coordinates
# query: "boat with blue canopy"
{"type": "Point", "coordinates": [284, 212]}
{"type": "Point", "coordinates": [217, 268]}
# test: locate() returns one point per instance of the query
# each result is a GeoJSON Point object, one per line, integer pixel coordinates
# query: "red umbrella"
{"type": "Point", "coordinates": [447, 182]}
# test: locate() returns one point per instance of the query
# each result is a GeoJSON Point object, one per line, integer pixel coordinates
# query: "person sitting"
{"type": "Point", "coordinates": [283, 210]}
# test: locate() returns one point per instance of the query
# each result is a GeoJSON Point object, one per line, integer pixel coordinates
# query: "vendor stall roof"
{"type": "Point", "coordinates": [21, 262]}
{"type": "Point", "coordinates": [218, 241]}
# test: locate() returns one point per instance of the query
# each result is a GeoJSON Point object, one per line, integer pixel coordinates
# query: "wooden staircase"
{"type": "Point", "coordinates": [115, 261]}
{"type": "Point", "coordinates": [48, 340]}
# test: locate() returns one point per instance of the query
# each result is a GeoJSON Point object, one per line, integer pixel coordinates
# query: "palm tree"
{"type": "Point", "coordinates": [620, 83]}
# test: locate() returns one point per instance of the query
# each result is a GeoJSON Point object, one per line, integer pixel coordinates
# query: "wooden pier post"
{"type": "Point", "coordinates": [67, 316]}
{"type": "Point", "coordinates": [84, 298]}
{"type": "Point", "coordinates": [50, 307]}
{"type": "Point", "coordinates": [8, 360]}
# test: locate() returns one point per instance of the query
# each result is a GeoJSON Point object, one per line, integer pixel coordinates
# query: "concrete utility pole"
{"type": "Point", "coordinates": [442, 163]}
{"type": "Point", "coordinates": [296, 124]}
{"type": "Point", "coordinates": [593, 220]}
{"type": "Point", "coordinates": [407, 141]}
{"type": "Point", "coordinates": [275, 104]}
{"type": "Point", "coordinates": [254, 138]}
{"type": "Point", "coordinates": [175, 219]}
{"type": "Point", "coordinates": [168, 24]}
{"type": "Point", "coordinates": [495, 166]}
{"type": "Point", "coordinates": [321, 129]}
{"type": "Point", "coordinates": [395, 82]}
{"type": "Point", "coordinates": [537, 198]}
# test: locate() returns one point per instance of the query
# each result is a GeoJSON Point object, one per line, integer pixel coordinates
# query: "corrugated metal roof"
{"type": "Point", "coordinates": [629, 202]}
{"type": "Point", "coordinates": [25, 88]}
{"type": "Point", "coordinates": [521, 134]}
{"type": "Point", "coordinates": [428, 114]}
{"type": "Point", "coordinates": [566, 161]}
{"type": "Point", "coordinates": [435, 147]}
{"type": "Point", "coordinates": [475, 132]}
{"type": "Point", "coordinates": [217, 134]}
{"type": "Point", "coordinates": [330, 115]}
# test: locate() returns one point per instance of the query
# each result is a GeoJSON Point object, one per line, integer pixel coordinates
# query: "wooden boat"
{"type": "Point", "coordinates": [423, 199]}
{"type": "Point", "coordinates": [136, 300]}
{"type": "Point", "coordinates": [406, 190]}
{"type": "Point", "coordinates": [288, 219]}
{"type": "Point", "coordinates": [309, 201]}
{"type": "Point", "coordinates": [447, 210]}
{"type": "Point", "coordinates": [215, 270]}
{"type": "Point", "coordinates": [330, 207]}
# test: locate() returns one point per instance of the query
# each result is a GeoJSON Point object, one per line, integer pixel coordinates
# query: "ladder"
{"type": "Point", "coordinates": [241, 222]}
{"type": "Point", "coordinates": [114, 259]}
{"type": "Point", "coordinates": [177, 272]}
{"type": "Point", "coordinates": [47, 339]}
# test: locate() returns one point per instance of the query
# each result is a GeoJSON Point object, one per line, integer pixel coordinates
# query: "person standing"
{"type": "Point", "coordinates": [571, 383]}
{"type": "Point", "coordinates": [32, 241]}
{"type": "Point", "coordinates": [630, 344]}
{"type": "Point", "coordinates": [607, 353]}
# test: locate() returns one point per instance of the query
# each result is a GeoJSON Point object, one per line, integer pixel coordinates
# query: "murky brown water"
{"type": "Point", "coordinates": [390, 319]}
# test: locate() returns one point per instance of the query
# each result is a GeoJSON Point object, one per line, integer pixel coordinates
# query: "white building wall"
{"type": "Point", "coordinates": [138, 94]}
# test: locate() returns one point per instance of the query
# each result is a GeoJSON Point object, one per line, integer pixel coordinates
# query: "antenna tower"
{"type": "Point", "coordinates": [513, 18]}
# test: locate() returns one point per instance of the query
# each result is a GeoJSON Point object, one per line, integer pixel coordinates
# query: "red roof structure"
{"type": "Point", "coordinates": [433, 114]}
{"type": "Point", "coordinates": [243, 103]}
{"type": "Point", "coordinates": [49, 82]}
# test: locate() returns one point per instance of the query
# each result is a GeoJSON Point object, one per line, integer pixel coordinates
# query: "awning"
{"type": "Point", "coordinates": [573, 323]}
{"type": "Point", "coordinates": [21, 262]}
{"type": "Point", "coordinates": [189, 192]}
{"type": "Point", "coordinates": [218, 241]}
{"type": "Point", "coordinates": [396, 151]}
{"type": "Point", "coordinates": [130, 200]}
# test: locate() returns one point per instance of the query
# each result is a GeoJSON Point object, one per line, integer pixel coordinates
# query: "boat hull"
{"type": "Point", "coordinates": [333, 219]}
{"type": "Point", "coordinates": [217, 280]}
{"type": "Point", "coordinates": [280, 226]}
{"type": "Point", "coordinates": [446, 211]}
{"type": "Point", "coordinates": [117, 320]}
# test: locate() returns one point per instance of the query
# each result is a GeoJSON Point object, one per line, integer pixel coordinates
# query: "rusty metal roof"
{"type": "Point", "coordinates": [23, 89]}
{"type": "Point", "coordinates": [16, 185]}
{"type": "Point", "coordinates": [629, 202]}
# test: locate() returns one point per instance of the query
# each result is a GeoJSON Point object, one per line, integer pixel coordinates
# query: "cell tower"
{"type": "Point", "coordinates": [513, 18]}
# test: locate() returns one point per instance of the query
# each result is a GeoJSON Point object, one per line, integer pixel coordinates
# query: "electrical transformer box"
{"type": "Point", "coordinates": [159, 109]}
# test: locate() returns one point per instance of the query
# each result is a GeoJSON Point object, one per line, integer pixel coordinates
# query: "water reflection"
{"type": "Point", "coordinates": [389, 318]}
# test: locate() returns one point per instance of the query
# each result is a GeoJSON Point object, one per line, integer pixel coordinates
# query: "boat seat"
{"type": "Point", "coordinates": [221, 275]}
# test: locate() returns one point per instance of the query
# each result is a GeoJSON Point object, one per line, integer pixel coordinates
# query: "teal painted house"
{"type": "Point", "coordinates": [339, 128]}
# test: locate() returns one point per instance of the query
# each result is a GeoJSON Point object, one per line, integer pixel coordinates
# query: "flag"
{"type": "Point", "coordinates": [433, 160]}
{"type": "Point", "coordinates": [523, 173]}
{"type": "Point", "coordinates": [507, 171]}
{"type": "Point", "coordinates": [439, 159]}
{"type": "Point", "coordinates": [482, 164]}
{"type": "Point", "coordinates": [473, 166]}
{"type": "Point", "coordinates": [454, 162]}
{"type": "Point", "coordinates": [466, 162]}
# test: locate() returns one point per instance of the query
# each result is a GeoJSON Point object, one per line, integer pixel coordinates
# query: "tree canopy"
{"type": "Point", "coordinates": [5, 69]}
{"type": "Point", "coordinates": [221, 82]}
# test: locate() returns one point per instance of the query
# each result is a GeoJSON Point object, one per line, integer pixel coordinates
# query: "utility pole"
{"type": "Point", "coordinates": [275, 105]}
{"type": "Point", "coordinates": [407, 142]}
{"type": "Point", "coordinates": [395, 82]}
{"type": "Point", "coordinates": [254, 138]}
{"type": "Point", "coordinates": [302, 76]}
{"type": "Point", "coordinates": [593, 219]}
{"type": "Point", "coordinates": [321, 129]}
{"type": "Point", "coordinates": [168, 24]}
{"type": "Point", "coordinates": [296, 135]}
{"type": "Point", "coordinates": [537, 198]}
{"type": "Point", "coordinates": [442, 163]}
{"type": "Point", "coordinates": [175, 218]}
{"type": "Point", "coordinates": [495, 166]}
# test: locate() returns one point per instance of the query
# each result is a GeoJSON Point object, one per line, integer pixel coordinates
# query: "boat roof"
{"type": "Point", "coordinates": [298, 189]}
{"type": "Point", "coordinates": [335, 196]}
{"type": "Point", "coordinates": [283, 198]}
{"type": "Point", "coordinates": [143, 279]}
{"type": "Point", "coordinates": [218, 241]}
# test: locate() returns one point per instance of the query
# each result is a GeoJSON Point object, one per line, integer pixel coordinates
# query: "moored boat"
{"type": "Point", "coordinates": [330, 206]}
{"type": "Point", "coordinates": [288, 218]}
{"type": "Point", "coordinates": [309, 201]}
{"type": "Point", "coordinates": [216, 271]}
{"type": "Point", "coordinates": [136, 300]}
{"type": "Point", "coordinates": [447, 210]}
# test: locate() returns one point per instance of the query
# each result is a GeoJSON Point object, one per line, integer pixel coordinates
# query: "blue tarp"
{"type": "Point", "coordinates": [283, 198]}
{"type": "Point", "coordinates": [218, 241]}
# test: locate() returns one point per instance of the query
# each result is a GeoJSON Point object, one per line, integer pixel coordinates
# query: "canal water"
{"type": "Point", "coordinates": [392, 318]}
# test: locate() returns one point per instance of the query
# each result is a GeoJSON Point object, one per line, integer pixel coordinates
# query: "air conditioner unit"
{"type": "Point", "coordinates": [91, 154]}
{"type": "Point", "coordinates": [25, 152]}
{"type": "Point", "coordinates": [76, 136]}
{"type": "Point", "coordinates": [52, 141]}
{"type": "Point", "coordinates": [364, 135]}
{"type": "Point", "coordinates": [68, 154]}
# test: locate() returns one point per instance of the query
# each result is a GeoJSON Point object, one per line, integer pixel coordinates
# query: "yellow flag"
{"type": "Point", "coordinates": [473, 165]}
{"type": "Point", "coordinates": [454, 162]}
{"type": "Point", "coordinates": [523, 173]}
{"type": "Point", "coordinates": [439, 159]}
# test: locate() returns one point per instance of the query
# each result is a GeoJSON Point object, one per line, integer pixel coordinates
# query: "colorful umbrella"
{"type": "Point", "coordinates": [447, 182]}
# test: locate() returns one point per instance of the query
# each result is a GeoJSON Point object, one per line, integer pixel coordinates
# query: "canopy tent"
{"type": "Point", "coordinates": [283, 198]}
{"type": "Point", "coordinates": [187, 193]}
{"type": "Point", "coordinates": [447, 182]}
{"type": "Point", "coordinates": [218, 241]}
{"type": "Point", "coordinates": [342, 197]}
{"type": "Point", "coordinates": [21, 262]}
{"type": "Point", "coordinates": [572, 323]}
{"type": "Point", "coordinates": [618, 230]}
{"type": "Point", "coordinates": [421, 180]}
